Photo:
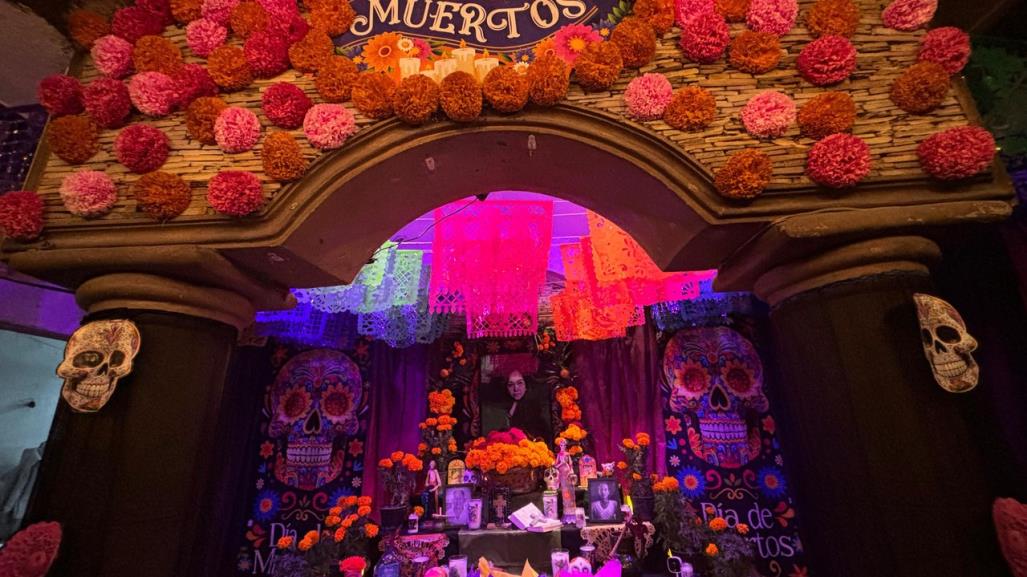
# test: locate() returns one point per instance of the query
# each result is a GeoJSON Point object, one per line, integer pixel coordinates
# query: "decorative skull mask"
{"type": "Point", "coordinates": [552, 478]}
{"type": "Point", "coordinates": [947, 344]}
{"type": "Point", "coordinates": [96, 356]}
{"type": "Point", "coordinates": [716, 374]}
{"type": "Point", "coordinates": [313, 405]}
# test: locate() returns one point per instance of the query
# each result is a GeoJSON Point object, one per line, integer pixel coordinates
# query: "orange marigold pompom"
{"type": "Point", "coordinates": [636, 40]}
{"type": "Point", "coordinates": [827, 113]}
{"type": "Point", "coordinates": [335, 79]}
{"type": "Point", "coordinates": [733, 10]}
{"type": "Point", "coordinates": [921, 88]}
{"type": "Point", "coordinates": [247, 18]}
{"type": "Point", "coordinates": [200, 117]}
{"type": "Point", "coordinates": [506, 89]}
{"type": "Point", "coordinates": [658, 13]}
{"type": "Point", "coordinates": [416, 99]}
{"type": "Point", "coordinates": [691, 108]}
{"type": "Point", "coordinates": [461, 97]}
{"type": "Point", "coordinates": [333, 16]}
{"type": "Point", "coordinates": [161, 195]}
{"type": "Point", "coordinates": [156, 54]}
{"type": "Point", "coordinates": [74, 139]}
{"type": "Point", "coordinates": [745, 175]}
{"type": "Point", "coordinates": [372, 94]}
{"type": "Point", "coordinates": [282, 158]}
{"type": "Point", "coordinates": [185, 11]}
{"type": "Point", "coordinates": [228, 68]}
{"type": "Point", "coordinates": [755, 52]}
{"type": "Point", "coordinates": [312, 52]}
{"type": "Point", "coordinates": [548, 80]}
{"type": "Point", "coordinates": [85, 26]}
{"type": "Point", "coordinates": [598, 66]}
{"type": "Point", "coordinates": [833, 18]}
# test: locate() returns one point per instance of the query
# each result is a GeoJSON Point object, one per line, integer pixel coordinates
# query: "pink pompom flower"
{"type": "Point", "coordinates": [827, 60]}
{"type": "Point", "coordinates": [908, 15]}
{"type": "Point", "coordinates": [21, 215]}
{"type": "Point", "coordinates": [773, 16]}
{"type": "Point", "coordinates": [285, 105]}
{"type": "Point", "coordinates": [948, 46]}
{"type": "Point", "coordinates": [768, 114]}
{"type": "Point", "coordinates": [159, 7]}
{"type": "Point", "coordinates": [112, 56]}
{"type": "Point", "coordinates": [193, 81]}
{"type": "Point", "coordinates": [236, 129]}
{"type": "Point", "coordinates": [134, 22]}
{"type": "Point", "coordinates": [235, 193]}
{"type": "Point", "coordinates": [107, 102]}
{"type": "Point", "coordinates": [267, 53]}
{"type": "Point", "coordinates": [570, 40]}
{"type": "Point", "coordinates": [60, 95]}
{"type": "Point", "coordinates": [203, 36]}
{"type": "Point", "coordinates": [280, 10]}
{"type": "Point", "coordinates": [218, 10]}
{"type": "Point", "coordinates": [957, 153]}
{"type": "Point", "coordinates": [153, 93]}
{"type": "Point", "coordinates": [88, 193]}
{"type": "Point", "coordinates": [327, 126]}
{"type": "Point", "coordinates": [685, 10]}
{"type": "Point", "coordinates": [141, 148]}
{"type": "Point", "coordinates": [648, 95]}
{"type": "Point", "coordinates": [704, 37]}
{"type": "Point", "coordinates": [838, 161]}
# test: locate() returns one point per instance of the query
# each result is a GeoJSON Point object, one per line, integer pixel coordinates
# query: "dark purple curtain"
{"type": "Point", "coordinates": [398, 392]}
{"type": "Point", "coordinates": [619, 382]}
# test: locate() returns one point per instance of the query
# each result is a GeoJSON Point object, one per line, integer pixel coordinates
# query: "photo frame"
{"type": "Point", "coordinates": [457, 501]}
{"type": "Point", "coordinates": [604, 501]}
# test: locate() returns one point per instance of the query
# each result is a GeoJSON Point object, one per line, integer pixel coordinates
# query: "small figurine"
{"type": "Point", "coordinates": [564, 466]}
{"type": "Point", "coordinates": [586, 470]}
{"type": "Point", "coordinates": [432, 483]}
{"type": "Point", "coordinates": [607, 469]}
{"type": "Point", "coordinates": [552, 478]}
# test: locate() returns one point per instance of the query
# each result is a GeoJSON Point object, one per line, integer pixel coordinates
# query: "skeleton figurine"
{"type": "Point", "coordinates": [96, 356]}
{"type": "Point", "coordinates": [565, 469]}
{"type": "Point", "coordinates": [947, 345]}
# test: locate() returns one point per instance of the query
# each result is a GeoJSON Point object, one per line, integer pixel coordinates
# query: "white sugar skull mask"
{"type": "Point", "coordinates": [97, 355]}
{"type": "Point", "coordinates": [947, 344]}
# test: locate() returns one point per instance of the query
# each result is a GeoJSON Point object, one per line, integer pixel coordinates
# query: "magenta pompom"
{"type": "Point", "coordinates": [267, 53]}
{"type": "Point", "coordinates": [280, 10]}
{"type": "Point", "coordinates": [948, 46]}
{"type": "Point", "coordinates": [112, 56]}
{"type": "Point", "coordinates": [203, 36]}
{"type": "Point", "coordinates": [838, 161]}
{"type": "Point", "coordinates": [957, 153]}
{"type": "Point", "coordinates": [218, 10]}
{"type": "Point", "coordinates": [768, 114]}
{"type": "Point", "coordinates": [21, 215]}
{"type": "Point", "coordinates": [134, 22]}
{"type": "Point", "coordinates": [88, 193]}
{"type": "Point", "coordinates": [107, 102]}
{"type": "Point", "coordinates": [285, 105]}
{"type": "Point", "coordinates": [236, 129]}
{"type": "Point", "coordinates": [685, 10]}
{"type": "Point", "coordinates": [153, 93]}
{"type": "Point", "coordinates": [235, 193]}
{"type": "Point", "coordinates": [159, 7]}
{"type": "Point", "coordinates": [704, 37]}
{"type": "Point", "coordinates": [909, 14]}
{"type": "Point", "coordinates": [827, 60]}
{"type": "Point", "coordinates": [773, 16]}
{"type": "Point", "coordinates": [193, 81]}
{"type": "Point", "coordinates": [648, 95]}
{"type": "Point", "coordinates": [141, 148]}
{"type": "Point", "coordinates": [60, 95]}
{"type": "Point", "coordinates": [327, 126]}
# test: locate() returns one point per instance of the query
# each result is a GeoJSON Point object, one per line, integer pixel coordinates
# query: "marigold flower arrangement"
{"type": "Point", "coordinates": [567, 398]}
{"type": "Point", "coordinates": [373, 94]}
{"type": "Point", "coordinates": [827, 60]}
{"type": "Point", "coordinates": [335, 79]}
{"type": "Point", "coordinates": [437, 442]}
{"type": "Point", "coordinates": [200, 117]}
{"type": "Point", "coordinates": [141, 148]}
{"type": "Point", "coordinates": [107, 102]}
{"type": "Point", "coordinates": [282, 158]}
{"type": "Point", "coordinates": [228, 67]}
{"type": "Point", "coordinates": [957, 153]}
{"type": "Point", "coordinates": [948, 46]}
{"type": "Point", "coordinates": [658, 13]}
{"type": "Point", "coordinates": [827, 113]}
{"type": "Point", "coordinates": [733, 10]}
{"type": "Point", "coordinates": [575, 436]}
{"type": "Point", "coordinates": [342, 542]}
{"type": "Point", "coordinates": [713, 546]}
{"type": "Point", "coordinates": [460, 97]}
{"type": "Point", "coordinates": [637, 41]}
{"type": "Point", "coordinates": [399, 472]}
{"type": "Point", "coordinates": [74, 139]}
{"type": "Point", "coordinates": [691, 108]}
{"type": "Point", "coordinates": [156, 54]}
{"type": "Point", "coordinates": [833, 18]}
{"type": "Point", "coordinates": [503, 451]}
{"type": "Point", "coordinates": [636, 464]}
{"type": "Point", "coordinates": [745, 174]}
{"type": "Point", "coordinates": [705, 37]}
{"type": "Point", "coordinates": [112, 56]}
{"type": "Point", "coordinates": [235, 193]}
{"type": "Point", "coordinates": [203, 36]}
{"type": "Point", "coordinates": [838, 161]}
{"type": "Point", "coordinates": [755, 52]}
{"type": "Point", "coordinates": [88, 193]}
{"type": "Point", "coordinates": [773, 16]}
{"type": "Point", "coordinates": [548, 80]}
{"type": "Point", "coordinates": [21, 215]}
{"type": "Point", "coordinates": [161, 195]}
{"type": "Point", "coordinates": [768, 114]}
{"type": "Point", "coordinates": [85, 26]}
{"type": "Point", "coordinates": [60, 95]}
{"type": "Point", "coordinates": [506, 89]}
{"type": "Point", "coordinates": [921, 88]}
{"type": "Point", "coordinates": [441, 402]}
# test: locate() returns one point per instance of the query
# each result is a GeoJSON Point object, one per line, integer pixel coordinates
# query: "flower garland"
{"type": "Point", "coordinates": [733, 10]}
{"type": "Point", "coordinates": [285, 105]}
{"type": "Point", "coordinates": [88, 193]}
{"type": "Point", "coordinates": [235, 193]}
{"type": "Point", "coordinates": [156, 54]}
{"type": "Point", "coordinates": [460, 97]}
{"type": "Point", "coordinates": [704, 37]}
{"type": "Point", "coordinates": [200, 117]}
{"type": "Point", "coordinates": [373, 93]}
{"type": "Point", "coordinates": [957, 153]}
{"type": "Point", "coordinates": [921, 88]}
{"type": "Point", "coordinates": [60, 95]}
{"type": "Point", "coordinates": [267, 54]}
{"type": "Point", "coordinates": [398, 471]}
{"type": "Point", "coordinates": [838, 161]}
{"type": "Point", "coordinates": [327, 126]}
{"type": "Point", "coordinates": [648, 95]}
{"type": "Point", "coordinates": [228, 67]}
{"type": "Point", "coordinates": [335, 79]}
{"type": "Point", "coordinates": [637, 41]}
{"type": "Point", "coordinates": [908, 15]}
{"type": "Point", "coordinates": [548, 80]}
{"type": "Point", "coordinates": [745, 174]}
{"type": "Point", "coordinates": [107, 102]}
{"type": "Point", "coordinates": [313, 51]}
{"type": "Point", "coordinates": [773, 16]}
{"type": "Point", "coordinates": [948, 46]}
{"type": "Point", "coordinates": [755, 52]}
{"type": "Point", "coordinates": [185, 11]}
{"type": "Point", "coordinates": [501, 452]}
{"type": "Point", "coordinates": [416, 99]}
{"type": "Point", "coordinates": [506, 89]}
{"type": "Point", "coordinates": [347, 529]}
{"type": "Point", "coordinates": [827, 60]}
{"type": "Point", "coordinates": [112, 56]}
{"type": "Point", "coordinates": [85, 26]}
{"type": "Point", "coordinates": [691, 108]}
{"type": "Point", "coordinates": [161, 195]}
{"type": "Point", "coordinates": [281, 157]}
{"type": "Point", "coordinates": [247, 18]}
{"type": "Point", "coordinates": [74, 139]}
{"type": "Point", "coordinates": [134, 22]}
{"type": "Point", "coordinates": [827, 113]}
{"type": "Point", "coordinates": [833, 18]}
{"type": "Point", "coordinates": [236, 129]}
{"type": "Point", "coordinates": [141, 148]}
{"type": "Point", "coordinates": [153, 93]}
{"type": "Point", "coordinates": [193, 81]}
{"type": "Point", "coordinates": [21, 215]}
{"type": "Point", "coordinates": [768, 114]}
{"type": "Point", "coordinates": [203, 36]}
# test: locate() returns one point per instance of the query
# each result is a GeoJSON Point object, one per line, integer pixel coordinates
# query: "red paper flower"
{"type": "Point", "coordinates": [193, 81]}
{"type": "Point", "coordinates": [948, 46]}
{"type": "Point", "coordinates": [908, 14]}
{"type": "Point", "coordinates": [88, 193]}
{"type": "Point", "coordinates": [203, 36]}
{"type": "Point", "coordinates": [838, 161]}
{"type": "Point", "coordinates": [327, 126]}
{"type": "Point", "coordinates": [957, 153]}
{"type": "Point", "coordinates": [704, 37]}
{"type": "Point", "coordinates": [156, 54]}
{"type": "Point", "coordinates": [85, 26]}
{"type": "Point", "coordinates": [285, 105]}
{"type": "Point", "coordinates": [60, 95]}
{"type": "Point", "coordinates": [21, 218]}
{"type": "Point", "coordinates": [160, 7]}
{"type": "Point", "coordinates": [267, 53]}
{"type": "Point", "coordinates": [236, 129]}
{"type": "Point", "coordinates": [648, 95]}
{"type": "Point", "coordinates": [827, 60]}
{"type": "Point", "coordinates": [235, 193]}
{"type": "Point", "coordinates": [107, 102]}
{"type": "Point", "coordinates": [774, 16]}
{"type": "Point", "coordinates": [133, 22]}
{"type": "Point", "coordinates": [153, 93]}
{"type": "Point", "coordinates": [161, 195]}
{"type": "Point", "coordinates": [141, 148]}
{"type": "Point", "coordinates": [685, 10]}
{"type": "Point", "coordinates": [218, 10]}
{"type": "Point", "coordinates": [768, 114]}
{"type": "Point", "coordinates": [280, 10]}
{"type": "Point", "coordinates": [112, 56]}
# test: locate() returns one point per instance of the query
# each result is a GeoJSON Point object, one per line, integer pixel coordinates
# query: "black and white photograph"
{"type": "Point", "coordinates": [603, 501]}
{"type": "Point", "coordinates": [458, 497]}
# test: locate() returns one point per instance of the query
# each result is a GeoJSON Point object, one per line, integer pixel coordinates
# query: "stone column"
{"type": "Point", "coordinates": [150, 484]}
{"type": "Point", "coordinates": [885, 470]}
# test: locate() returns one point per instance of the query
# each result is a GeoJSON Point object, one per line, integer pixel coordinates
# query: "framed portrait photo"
{"type": "Point", "coordinates": [457, 502]}
{"type": "Point", "coordinates": [604, 501]}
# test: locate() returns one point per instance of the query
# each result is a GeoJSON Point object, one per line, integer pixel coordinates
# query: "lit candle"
{"type": "Point", "coordinates": [409, 67]}
{"type": "Point", "coordinates": [464, 59]}
{"type": "Point", "coordinates": [433, 74]}
{"type": "Point", "coordinates": [445, 67]}
{"type": "Point", "coordinates": [483, 66]}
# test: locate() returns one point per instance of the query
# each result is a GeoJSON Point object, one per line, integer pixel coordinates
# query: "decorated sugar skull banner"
{"type": "Point", "coordinates": [97, 355]}
{"type": "Point", "coordinates": [947, 344]}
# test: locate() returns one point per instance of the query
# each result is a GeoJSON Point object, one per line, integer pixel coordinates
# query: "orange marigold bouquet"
{"type": "Point", "coordinates": [575, 435]}
{"type": "Point", "coordinates": [503, 451]}
{"type": "Point", "coordinates": [712, 545]}
{"type": "Point", "coordinates": [399, 471]}
{"type": "Point", "coordinates": [346, 533]}
{"type": "Point", "coordinates": [636, 465]}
